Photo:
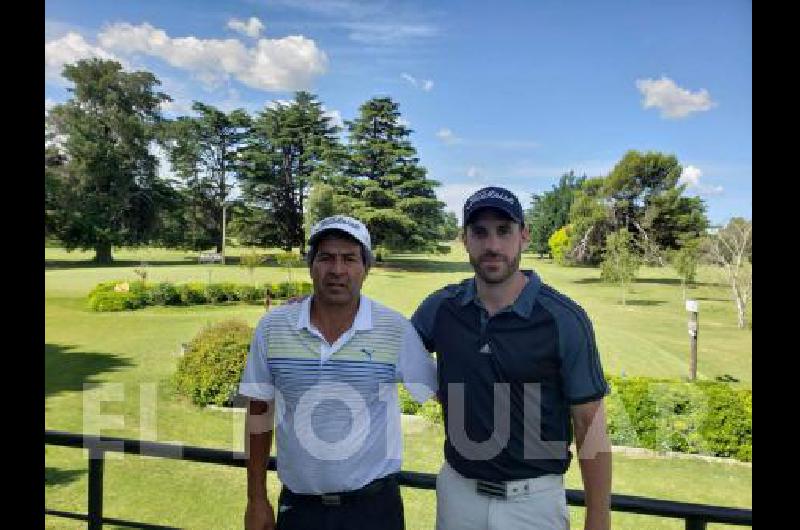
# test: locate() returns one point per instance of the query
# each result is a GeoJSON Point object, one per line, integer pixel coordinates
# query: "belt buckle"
{"type": "Point", "coordinates": [331, 500]}
{"type": "Point", "coordinates": [492, 489]}
{"type": "Point", "coordinates": [516, 489]}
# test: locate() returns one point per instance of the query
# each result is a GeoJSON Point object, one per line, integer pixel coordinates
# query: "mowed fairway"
{"type": "Point", "coordinates": [137, 352]}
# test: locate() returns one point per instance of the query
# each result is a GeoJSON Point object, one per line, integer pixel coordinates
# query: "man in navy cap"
{"type": "Point", "coordinates": [518, 375]}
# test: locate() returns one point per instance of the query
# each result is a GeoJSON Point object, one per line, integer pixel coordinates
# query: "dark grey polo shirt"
{"type": "Point", "coordinates": [506, 383]}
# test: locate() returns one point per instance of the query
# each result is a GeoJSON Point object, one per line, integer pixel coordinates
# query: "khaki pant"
{"type": "Point", "coordinates": [460, 507]}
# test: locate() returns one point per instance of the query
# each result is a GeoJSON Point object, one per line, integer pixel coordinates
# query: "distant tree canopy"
{"type": "Point", "coordinates": [100, 178]}
{"type": "Point", "coordinates": [291, 168]}
{"type": "Point", "coordinates": [377, 178]}
{"type": "Point", "coordinates": [549, 211]}
{"type": "Point", "coordinates": [641, 195]}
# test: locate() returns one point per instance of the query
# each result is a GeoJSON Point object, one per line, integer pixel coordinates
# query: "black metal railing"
{"type": "Point", "coordinates": [697, 516]}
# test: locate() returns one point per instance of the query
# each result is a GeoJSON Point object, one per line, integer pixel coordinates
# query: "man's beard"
{"type": "Point", "coordinates": [505, 271]}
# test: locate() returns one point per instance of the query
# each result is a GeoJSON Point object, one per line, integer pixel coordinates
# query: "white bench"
{"type": "Point", "coordinates": [210, 257]}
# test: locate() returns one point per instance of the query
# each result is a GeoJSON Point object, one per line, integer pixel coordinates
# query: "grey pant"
{"type": "Point", "coordinates": [460, 507]}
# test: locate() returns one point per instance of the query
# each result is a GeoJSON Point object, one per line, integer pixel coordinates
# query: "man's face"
{"type": "Point", "coordinates": [494, 244]}
{"type": "Point", "coordinates": [338, 271]}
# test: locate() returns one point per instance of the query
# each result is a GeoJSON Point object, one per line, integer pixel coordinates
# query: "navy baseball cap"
{"type": "Point", "coordinates": [494, 197]}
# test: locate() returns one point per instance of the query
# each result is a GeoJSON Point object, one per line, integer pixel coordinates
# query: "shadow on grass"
{"type": "Point", "coordinates": [422, 265]}
{"type": "Point", "coordinates": [56, 477]}
{"type": "Point", "coordinates": [655, 281]}
{"type": "Point", "coordinates": [89, 264]}
{"type": "Point", "coordinates": [644, 302]}
{"type": "Point", "coordinates": [66, 370]}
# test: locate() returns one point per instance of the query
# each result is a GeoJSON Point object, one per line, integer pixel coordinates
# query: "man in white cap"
{"type": "Point", "coordinates": [323, 374]}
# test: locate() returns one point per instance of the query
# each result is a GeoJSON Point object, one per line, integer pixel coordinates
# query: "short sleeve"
{"type": "Point", "coordinates": [416, 367]}
{"type": "Point", "coordinates": [581, 371]}
{"type": "Point", "coordinates": [257, 381]}
{"type": "Point", "coordinates": [424, 318]}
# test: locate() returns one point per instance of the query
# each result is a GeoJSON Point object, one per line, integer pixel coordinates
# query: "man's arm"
{"type": "Point", "coordinates": [258, 443]}
{"type": "Point", "coordinates": [594, 457]}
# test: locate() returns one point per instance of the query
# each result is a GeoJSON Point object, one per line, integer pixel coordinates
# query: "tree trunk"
{"type": "Point", "coordinates": [102, 253]}
{"type": "Point", "coordinates": [739, 307]}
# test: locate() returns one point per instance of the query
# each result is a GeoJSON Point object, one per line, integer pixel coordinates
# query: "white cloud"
{"type": "Point", "coordinates": [691, 177]}
{"type": "Point", "coordinates": [473, 172]}
{"type": "Point", "coordinates": [335, 116]}
{"type": "Point", "coordinates": [251, 28]}
{"type": "Point", "coordinates": [454, 196]}
{"type": "Point", "coordinates": [423, 84]}
{"type": "Point", "coordinates": [68, 49]}
{"type": "Point", "coordinates": [447, 136]}
{"type": "Point", "coordinates": [387, 34]}
{"type": "Point", "coordinates": [675, 102]}
{"type": "Point", "coordinates": [290, 63]}
{"type": "Point", "coordinates": [164, 169]}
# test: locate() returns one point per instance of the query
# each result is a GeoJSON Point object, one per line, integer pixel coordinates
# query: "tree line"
{"type": "Point", "coordinates": [636, 215]}
{"type": "Point", "coordinates": [288, 160]}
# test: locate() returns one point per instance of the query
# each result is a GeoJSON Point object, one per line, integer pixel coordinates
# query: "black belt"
{"type": "Point", "coordinates": [339, 498]}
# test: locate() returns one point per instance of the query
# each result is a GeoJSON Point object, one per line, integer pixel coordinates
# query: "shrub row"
{"type": "Point", "coordinates": [705, 417]}
{"type": "Point", "coordinates": [122, 295]}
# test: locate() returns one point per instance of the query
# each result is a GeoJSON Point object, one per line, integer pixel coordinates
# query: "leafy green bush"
{"type": "Point", "coordinates": [559, 243]}
{"type": "Point", "coordinates": [727, 429]}
{"type": "Point", "coordinates": [117, 296]}
{"type": "Point", "coordinates": [122, 295]}
{"type": "Point", "coordinates": [248, 293]}
{"type": "Point", "coordinates": [705, 417]}
{"type": "Point", "coordinates": [222, 292]}
{"type": "Point", "coordinates": [164, 293]}
{"type": "Point", "coordinates": [209, 371]}
{"type": "Point", "coordinates": [192, 293]}
{"type": "Point", "coordinates": [407, 403]}
{"type": "Point", "coordinates": [431, 411]}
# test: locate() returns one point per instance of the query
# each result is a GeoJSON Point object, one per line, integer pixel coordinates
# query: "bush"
{"type": "Point", "coordinates": [248, 293]}
{"type": "Point", "coordinates": [117, 296]}
{"type": "Point", "coordinates": [221, 292]}
{"type": "Point", "coordinates": [727, 429]}
{"type": "Point", "coordinates": [192, 293]}
{"type": "Point", "coordinates": [164, 293]}
{"type": "Point", "coordinates": [122, 295]}
{"type": "Point", "coordinates": [407, 403]}
{"type": "Point", "coordinates": [210, 369]}
{"type": "Point", "coordinates": [559, 243]}
{"type": "Point", "coordinates": [431, 410]}
{"type": "Point", "coordinates": [706, 417]}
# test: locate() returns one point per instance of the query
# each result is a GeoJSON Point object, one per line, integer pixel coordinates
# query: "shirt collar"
{"type": "Point", "coordinates": [522, 306]}
{"type": "Point", "coordinates": [362, 321]}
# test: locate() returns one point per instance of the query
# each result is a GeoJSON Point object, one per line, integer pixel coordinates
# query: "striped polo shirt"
{"type": "Point", "coordinates": [337, 423]}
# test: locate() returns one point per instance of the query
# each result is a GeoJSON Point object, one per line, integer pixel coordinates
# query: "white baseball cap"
{"type": "Point", "coordinates": [346, 224]}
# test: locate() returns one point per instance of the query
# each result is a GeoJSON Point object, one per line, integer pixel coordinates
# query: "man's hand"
{"type": "Point", "coordinates": [259, 515]}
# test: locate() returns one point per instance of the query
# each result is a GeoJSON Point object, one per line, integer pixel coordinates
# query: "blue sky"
{"type": "Point", "coordinates": [506, 93]}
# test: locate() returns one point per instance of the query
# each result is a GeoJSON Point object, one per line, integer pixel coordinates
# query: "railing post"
{"type": "Point", "coordinates": [96, 461]}
{"type": "Point", "coordinates": [694, 523]}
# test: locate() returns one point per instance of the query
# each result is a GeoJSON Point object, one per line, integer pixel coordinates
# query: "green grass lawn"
{"type": "Point", "coordinates": [137, 352]}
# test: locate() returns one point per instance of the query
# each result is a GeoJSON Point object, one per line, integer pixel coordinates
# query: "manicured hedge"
{"type": "Point", "coordinates": [122, 295]}
{"type": "Point", "coordinates": [704, 417]}
{"type": "Point", "coordinates": [212, 365]}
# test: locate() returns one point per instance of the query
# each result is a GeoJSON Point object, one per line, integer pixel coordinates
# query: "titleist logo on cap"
{"type": "Point", "coordinates": [489, 194]}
